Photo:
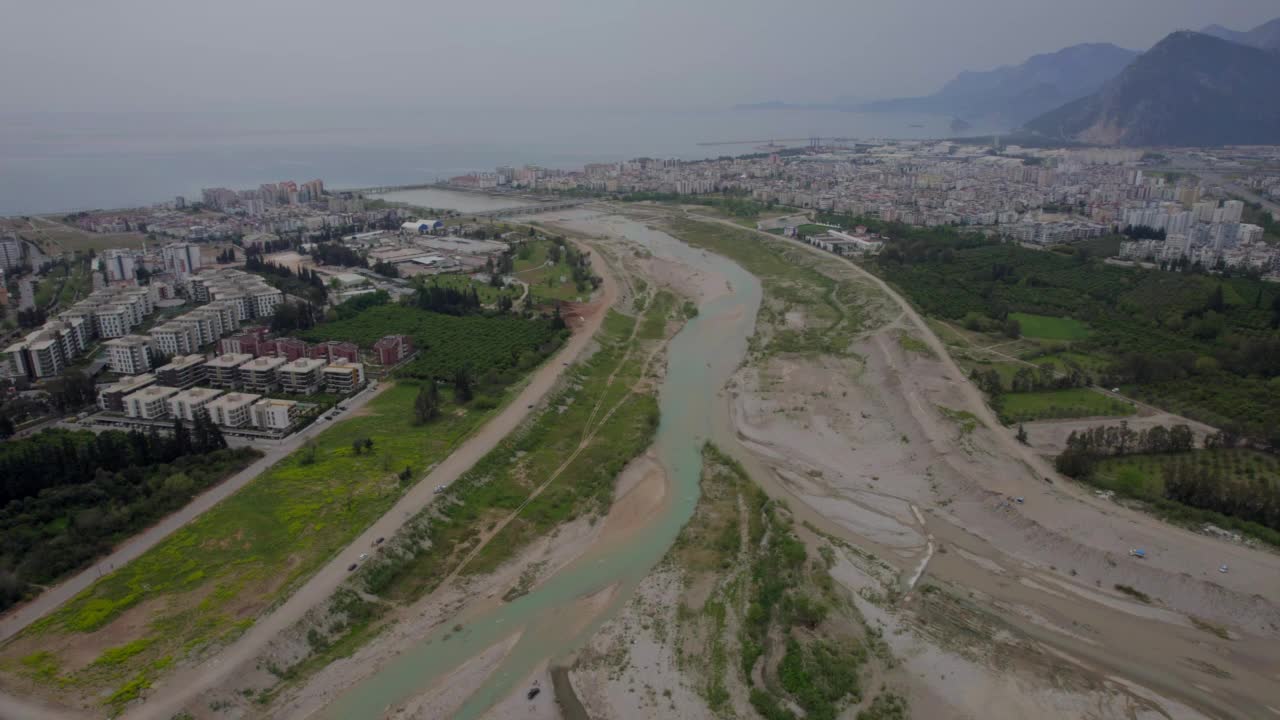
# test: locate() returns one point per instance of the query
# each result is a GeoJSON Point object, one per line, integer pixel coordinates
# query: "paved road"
{"type": "Point", "coordinates": [172, 694]}
{"type": "Point", "coordinates": [14, 621]}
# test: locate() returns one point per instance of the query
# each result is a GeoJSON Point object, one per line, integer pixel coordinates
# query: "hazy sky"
{"type": "Point", "coordinates": [246, 54]}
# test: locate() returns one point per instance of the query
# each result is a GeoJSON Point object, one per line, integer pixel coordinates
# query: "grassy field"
{"type": "Point", "coordinates": [488, 294]}
{"type": "Point", "coordinates": [1059, 404]}
{"type": "Point", "coordinates": [547, 283]}
{"type": "Point", "coordinates": [1243, 479]}
{"type": "Point", "coordinates": [1143, 475]}
{"type": "Point", "coordinates": [206, 583]}
{"type": "Point", "coordinates": [1050, 328]}
{"type": "Point", "coordinates": [54, 237]}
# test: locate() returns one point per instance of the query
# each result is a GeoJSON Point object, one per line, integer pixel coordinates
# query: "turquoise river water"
{"type": "Point", "coordinates": [701, 358]}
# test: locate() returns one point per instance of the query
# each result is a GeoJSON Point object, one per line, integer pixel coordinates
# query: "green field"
{"type": "Point", "coordinates": [488, 294]}
{"type": "Point", "coordinates": [547, 283]}
{"type": "Point", "coordinates": [1143, 475]}
{"type": "Point", "coordinates": [1240, 487]}
{"type": "Point", "coordinates": [1045, 327]}
{"type": "Point", "coordinates": [206, 583]}
{"type": "Point", "coordinates": [1058, 405]}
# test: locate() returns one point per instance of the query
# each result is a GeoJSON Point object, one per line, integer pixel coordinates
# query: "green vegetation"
{"type": "Point", "coordinates": [803, 648]}
{"type": "Point", "coordinates": [559, 467]}
{"type": "Point", "coordinates": [1050, 328]}
{"type": "Point", "coordinates": [1203, 345]}
{"type": "Point", "coordinates": [68, 497]}
{"type": "Point", "coordinates": [554, 270]}
{"type": "Point", "coordinates": [464, 283]}
{"type": "Point", "coordinates": [1230, 487]}
{"type": "Point", "coordinates": [205, 583]}
{"type": "Point", "coordinates": [502, 345]}
{"type": "Point", "coordinates": [1134, 593]}
{"type": "Point", "coordinates": [830, 312]}
{"type": "Point", "coordinates": [730, 205]}
{"type": "Point", "coordinates": [912, 344]}
{"type": "Point", "coordinates": [1058, 404]}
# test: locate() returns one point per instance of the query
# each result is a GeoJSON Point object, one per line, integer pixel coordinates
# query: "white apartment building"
{"type": "Point", "coordinates": [224, 370]}
{"type": "Point", "coordinates": [273, 414]}
{"type": "Point", "coordinates": [181, 259]}
{"type": "Point", "coordinates": [343, 377]}
{"type": "Point", "coordinates": [120, 264]}
{"type": "Point", "coordinates": [300, 376]}
{"type": "Point", "coordinates": [111, 397]}
{"type": "Point", "coordinates": [188, 403]}
{"type": "Point", "coordinates": [149, 403]}
{"type": "Point", "coordinates": [259, 374]}
{"type": "Point", "coordinates": [129, 355]}
{"type": "Point", "coordinates": [114, 321]}
{"type": "Point", "coordinates": [182, 372]}
{"type": "Point", "coordinates": [173, 338]}
{"type": "Point", "coordinates": [10, 253]}
{"type": "Point", "coordinates": [233, 409]}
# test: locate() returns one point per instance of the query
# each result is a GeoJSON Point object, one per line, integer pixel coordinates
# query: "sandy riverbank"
{"type": "Point", "coordinates": [855, 443]}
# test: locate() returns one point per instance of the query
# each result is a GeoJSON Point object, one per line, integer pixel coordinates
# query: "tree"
{"type": "Point", "coordinates": [1022, 434]}
{"type": "Point", "coordinates": [462, 390]}
{"type": "Point", "coordinates": [426, 406]}
{"type": "Point", "coordinates": [1012, 328]}
{"type": "Point", "coordinates": [180, 443]}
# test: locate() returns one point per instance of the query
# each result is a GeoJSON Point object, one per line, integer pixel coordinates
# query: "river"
{"type": "Point", "coordinates": [701, 359]}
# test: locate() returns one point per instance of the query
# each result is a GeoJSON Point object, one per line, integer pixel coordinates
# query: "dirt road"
{"type": "Point", "coordinates": [49, 600]}
{"type": "Point", "coordinates": [169, 696]}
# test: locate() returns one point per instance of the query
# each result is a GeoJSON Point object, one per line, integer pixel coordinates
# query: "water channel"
{"type": "Point", "coordinates": [702, 357]}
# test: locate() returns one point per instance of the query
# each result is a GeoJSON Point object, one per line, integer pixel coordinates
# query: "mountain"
{"type": "Point", "coordinates": [1013, 94]}
{"type": "Point", "coordinates": [1190, 89]}
{"type": "Point", "coordinates": [1266, 36]}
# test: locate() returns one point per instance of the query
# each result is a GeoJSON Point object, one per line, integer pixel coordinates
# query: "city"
{"type": "Point", "coordinates": [603, 362]}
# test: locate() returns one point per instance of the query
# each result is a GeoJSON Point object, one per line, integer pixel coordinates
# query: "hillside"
{"type": "Point", "coordinates": [1013, 94]}
{"type": "Point", "coordinates": [1190, 89]}
{"type": "Point", "coordinates": [1265, 36]}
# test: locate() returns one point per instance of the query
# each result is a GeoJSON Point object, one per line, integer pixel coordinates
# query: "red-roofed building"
{"type": "Point", "coordinates": [393, 348]}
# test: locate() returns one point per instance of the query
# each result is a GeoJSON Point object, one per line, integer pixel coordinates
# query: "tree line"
{"type": "Point", "coordinates": [1086, 447]}
{"type": "Point", "coordinates": [68, 496]}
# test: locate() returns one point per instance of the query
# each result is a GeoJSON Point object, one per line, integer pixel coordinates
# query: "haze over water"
{"type": "Point", "coordinates": [56, 162]}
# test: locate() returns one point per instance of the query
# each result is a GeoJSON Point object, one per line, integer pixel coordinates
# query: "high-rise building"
{"type": "Point", "coordinates": [1232, 211]}
{"type": "Point", "coordinates": [10, 253]}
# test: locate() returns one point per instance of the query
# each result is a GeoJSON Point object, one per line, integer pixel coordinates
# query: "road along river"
{"type": "Point", "coordinates": [701, 358]}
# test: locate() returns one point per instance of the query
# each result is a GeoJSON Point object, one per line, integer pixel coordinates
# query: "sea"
{"type": "Point", "coordinates": [61, 162]}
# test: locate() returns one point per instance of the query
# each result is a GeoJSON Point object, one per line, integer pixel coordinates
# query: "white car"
{"type": "Point", "coordinates": [364, 556]}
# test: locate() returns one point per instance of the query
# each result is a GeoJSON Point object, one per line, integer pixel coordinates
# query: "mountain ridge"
{"type": "Point", "coordinates": [1190, 89]}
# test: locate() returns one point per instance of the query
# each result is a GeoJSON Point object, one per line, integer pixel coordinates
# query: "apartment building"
{"type": "Point", "coordinates": [393, 348]}
{"type": "Point", "coordinates": [259, 374]}
{"type": "Point", "coordinates": [342, 377]}
{"type": "Point", "coordinates": [187, 404]}
{"type": "Point", "coordinates": [174, 338]}
{"type": "Point", "coordinates": [233, 409]}
{"type": "Point", "coordinates": [334, 351]}
{"type": "Point", "coordinates": [224, 370]}
{"type": "Point", "coordinates": [182, 372]}
{"type": "Point", "coordinates": [301, 376]}
{"type": "Point", "coordinates": [129, 355]}
{"type": "Point", "coordinates": [149, 403]}
{"type": "Point", "coordinates": [274, 414]}
{"type": "Point", "coordinates": [111, 397]}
